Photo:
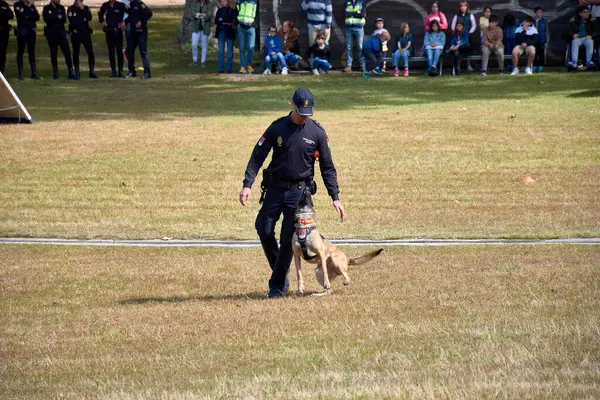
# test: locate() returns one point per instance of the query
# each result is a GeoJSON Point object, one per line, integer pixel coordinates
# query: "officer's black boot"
{"type": "Point", "coordinates": [93, 74]}
{"type": "Point", "coordinates": [121, 74]}
{"type": "Point", "coordinates": [55, 72]}
{"type": "Point", "coordinates": [21, 77]}
{"type": "Point", "coordinates": [72, 75]}
{"type": "Point", "coordinates": [147, 74]}
{"type": "Point", "coordinates": [34, 74]}
{"type": "Point", "coordinates": [77, 73]}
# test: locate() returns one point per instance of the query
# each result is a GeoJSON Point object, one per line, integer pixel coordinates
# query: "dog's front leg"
{"type": "Point", "coordinates": [323, 261]}
{"type": "Point", "coordinates": [298, 264]}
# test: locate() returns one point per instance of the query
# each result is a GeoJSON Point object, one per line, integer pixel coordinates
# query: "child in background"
{"type": "Point", "coordinates": [526, 37]}
{"type": "Point", "coordinates": [379, 29]}
{"type": "Point", "coordinates": [273, 43]}
{"type": "Point", "coordinates": [320, 54]}
{"type": "Point", "coordinates": [468, 21]}
{"type": "Point", "coordinates": [509, 25]}
{"type": "Point", "coordinates": [373, 52]}
{"type": "Point", "coordinates": [405, 47]}
{"type": "Point", "coordinates": [436, 15]}
{"type": "Point", "coordinates": [435, 40]}
{"type": "Point", "coordinates": [541, 25]}
{"type": "Point", "coordinates": [484, 21]}
{"type": "Point", "coordinates": [492, 44]}
{"type": "Point", "coordinates": [225, 33]}
{"type": "Point", "coordinates": [459, 45]}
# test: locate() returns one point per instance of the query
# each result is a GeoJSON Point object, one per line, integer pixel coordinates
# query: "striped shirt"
{"type": "Point", "coordinates": [319, 13]}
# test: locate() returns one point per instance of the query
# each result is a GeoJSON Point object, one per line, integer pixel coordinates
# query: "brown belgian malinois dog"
{"type": "Point", "coordinates": [310, 245]}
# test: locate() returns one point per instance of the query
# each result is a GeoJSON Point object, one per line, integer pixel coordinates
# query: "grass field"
{"type": "Point", "coordinates": [416, 157]}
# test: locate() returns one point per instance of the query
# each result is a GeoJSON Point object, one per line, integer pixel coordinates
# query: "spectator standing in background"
{"type": "Point", "coordinates": [355, 14]}
{"type": "Point", "coordinates": [468, 20]}
{"type": "Point", "coordinates": [436, 15]}
{"type": "Point", "coordinates": [320, 16]}
{"type": "Point", "coordinates": [246, 32]}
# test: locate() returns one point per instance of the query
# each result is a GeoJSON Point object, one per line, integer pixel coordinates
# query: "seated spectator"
{"type": "Point", "coordinates": [274, 54]}
{"type": "Point", "coordinates": [404, 49]}
{"type": "Point", "coordinates": [435, 40]}
{"type": "Point", "coordinates": [373, 53]}
{"type": "Point", "coordinates": [526, 37]}
{"type": "Point", "coordinates": [320, 54]}
{"type": "Point", "coordinates": [379, 29]}
{"type": "Point", "coordinates": [464, 15]}
{"type": "Point", "coordinates": [289, 39]}
{"type": "Point", "coordinates": [492, 44]}
{"type": "Point", "coordinates": [436, 15]}
{"type": "Point", "coordinates": [459, 45]}
{"type": "Point", "coordinates": [509, 26]}
{"type": "Point", "coordinates": [583, 30]}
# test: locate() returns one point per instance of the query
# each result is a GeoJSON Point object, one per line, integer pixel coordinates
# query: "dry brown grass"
{"type": "Point", "coordinates": [469, 322]}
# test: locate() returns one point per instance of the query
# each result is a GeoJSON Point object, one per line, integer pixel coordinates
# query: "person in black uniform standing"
{"type": "Point", "coordinates": [27, 16]}
{"type": "Point", "coordinates": [81, 33]}
{"type": "Point", "coordinates": [113, 26]}
{"type": "Point", "coordinates": [139, 14]}
{"type": "Point", "coordinates": [296, 141]}
{"type": "Point", "coordinates": [6, 15]}
{"type": "Point", "coordinates": [55, 17]}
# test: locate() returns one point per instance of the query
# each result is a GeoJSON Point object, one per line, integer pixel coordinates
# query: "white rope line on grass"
{"type": "Point", "coordinates": [341, 242]}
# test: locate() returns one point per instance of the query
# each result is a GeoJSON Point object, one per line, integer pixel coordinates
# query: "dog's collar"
{"type": "Point", "coordinates": [305, 220]}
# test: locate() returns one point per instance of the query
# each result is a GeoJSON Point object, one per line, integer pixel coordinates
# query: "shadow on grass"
{"type": "Point", "coordinates": [181, 299]}
{"type": "Point", "coordinates": [587, 93]}
{"type": "Point", "coordinates": [211, 298]}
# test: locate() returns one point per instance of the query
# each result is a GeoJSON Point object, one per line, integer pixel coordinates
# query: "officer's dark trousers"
{"type": "Point", "coordinates": [135, 39]}
{"type": "Point", "coordinates": [114, 40]}
{"type": "Point", "coordinates": [4, 35]}
{"type": "Point", "coordinates": [56, 40]}
{"type": "Point", "coordinates": [278, 201]}
{"type": "Point", "coordinates": [29, 41]}
{"type": "Point", "coordinates": [77, 39]}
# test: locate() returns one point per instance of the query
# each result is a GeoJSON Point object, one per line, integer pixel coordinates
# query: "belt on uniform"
{"type": "Point", "coordinates": [288, 184]}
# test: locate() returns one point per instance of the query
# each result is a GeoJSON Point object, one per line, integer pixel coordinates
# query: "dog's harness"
{"type": "Point", "coordinates": [305, 225]}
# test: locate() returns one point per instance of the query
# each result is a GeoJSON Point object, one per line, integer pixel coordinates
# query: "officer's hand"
{"type": "Point", "coordinates": [340, 209]}
{"type": "Point", "coordinates": [138, 25]}
{"type": "Point", "coordinates": [245, 195]}
{"type": "Point", "coordinates": [104, 24]}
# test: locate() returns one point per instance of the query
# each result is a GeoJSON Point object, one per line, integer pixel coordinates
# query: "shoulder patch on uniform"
{"type": "Point", "coordinates": [317, 123]}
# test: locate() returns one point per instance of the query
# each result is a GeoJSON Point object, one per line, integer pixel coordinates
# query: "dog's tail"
{"type": "Point", "coordinates": [365, 258]}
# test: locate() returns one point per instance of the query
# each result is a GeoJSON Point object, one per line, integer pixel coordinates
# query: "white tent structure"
{"type": "Point", "coordinates": [11, 108]}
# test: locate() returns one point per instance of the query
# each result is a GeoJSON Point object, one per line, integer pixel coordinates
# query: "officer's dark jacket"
{"type": "Point", "coordinates": [79, 19]}
{"type": "Point", "coordinates": [51, 12]}
{"type": "Point", "coordinates": [114, 14]}
{"type": "Point", "coordinates": [138, 11]}
{"type": "Point", "coordinates": [26, 16]}
{"type": "Point", "coordinates": [293, 158]}
{"type": "Point", "coordinates": [5, 15]}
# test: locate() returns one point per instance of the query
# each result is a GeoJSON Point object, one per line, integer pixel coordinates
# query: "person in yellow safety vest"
{"type": "Point", "coordinates": [355, 12]}
{"type": "Point", "coordinates": [246, 30]}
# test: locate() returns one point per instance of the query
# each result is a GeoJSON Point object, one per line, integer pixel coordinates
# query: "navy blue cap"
{"type": "Point", "coordinates": [304, 101]}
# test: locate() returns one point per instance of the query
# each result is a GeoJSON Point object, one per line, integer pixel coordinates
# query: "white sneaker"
{"type": "Point", "coordinates": [515, 71]}
{"type": "Point", "coordinates": [284, 71]}
{"type": "Point", "coordinates": [315, 72]}
{"type": "Point", "coordinates": [267, 71]}
{"type": "Point", "coordinates": [528, 71]}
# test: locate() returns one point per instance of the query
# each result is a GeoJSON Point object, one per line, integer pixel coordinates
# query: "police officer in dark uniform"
{"type": "Point", "coordinates": [113, 26]}
{"type": "Point", "coordinates": [27, 16]}
{"type": "Point", "coordinates": [55, 17]}
{"type": "Point", "coordinates": [296, 141]}
{"type": "Point", "coordinates": [81, 33]}
{"type": "Point", "coordinates": [139, 14]}
{"type": "Point", "coordinates": [6, 14]}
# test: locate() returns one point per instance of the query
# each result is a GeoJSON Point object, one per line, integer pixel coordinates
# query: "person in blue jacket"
{"type": "Point", "coordinates": [541, 25]}
{"type": "Point", "coordinates": [273, 44]}
{"type": "Point", "coordinates": [459, 45]}
{"type": "Point", "coordinates": [373, 53]}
